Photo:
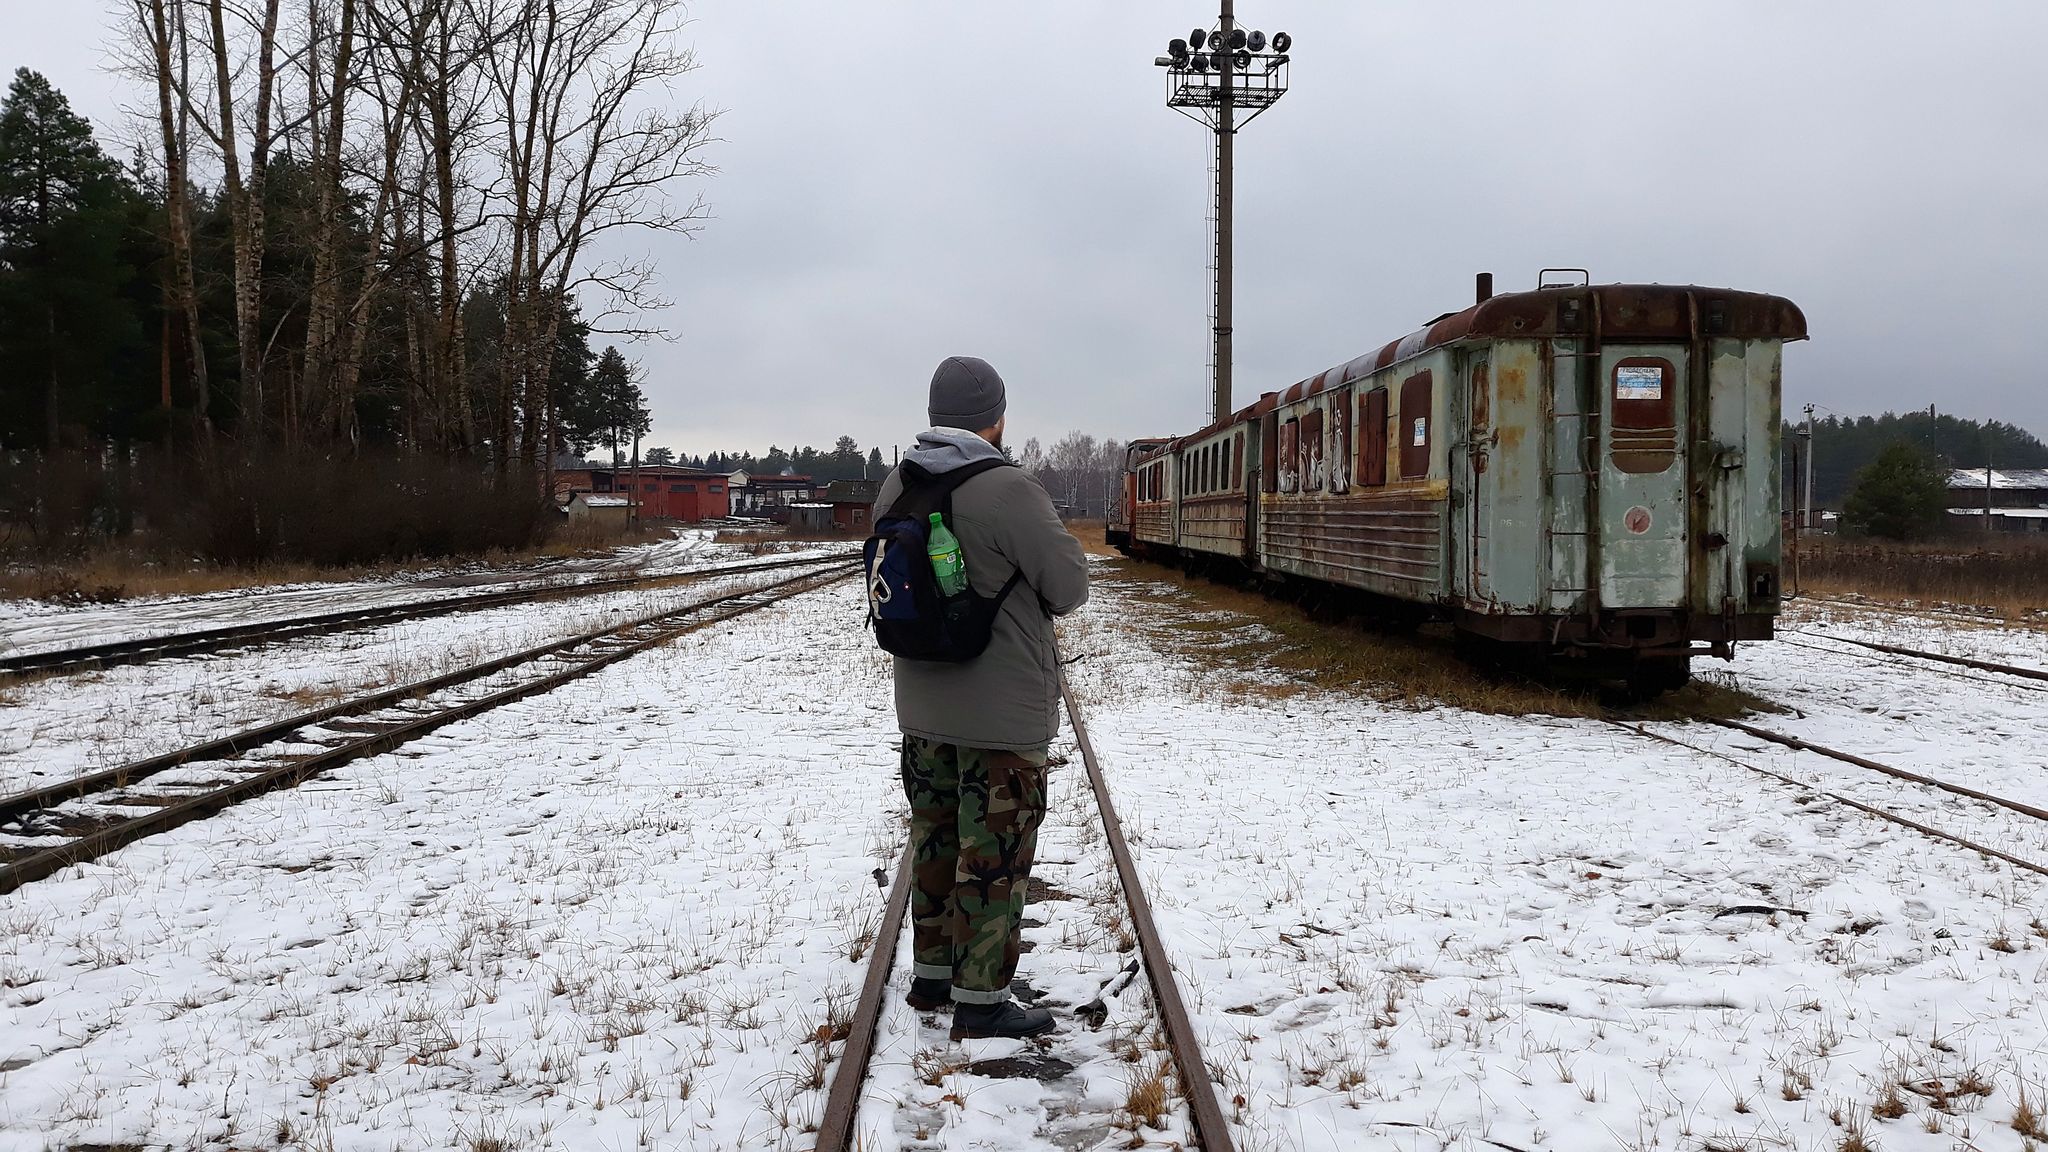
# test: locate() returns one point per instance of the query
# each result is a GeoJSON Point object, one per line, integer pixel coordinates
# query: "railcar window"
{"type": "Point", "coordinates": [1372, 451]}
{"type": "Point", "coordinates": [1414, 429]}
{"type": "Point", "coordinates": [1215, 467]}
{"type": "Point", "coordinates": [1269, 455]}
{"type": "Point", "coordinates": [1237, 465]}
{"type": "Point", "coordinates": [1340, 448]}
{"type": "Point", "coordinates": [1290, 464]}
{"type": "Point", "coordinates": [1645, 431]}
{"type": "Point", "coordinates": [1312, 451]}
{"type": "Point", "coordinates": [1482, 398]}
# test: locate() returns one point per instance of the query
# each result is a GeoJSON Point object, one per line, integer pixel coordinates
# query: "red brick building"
{"type": "Point", "coordinates": [665, 492]}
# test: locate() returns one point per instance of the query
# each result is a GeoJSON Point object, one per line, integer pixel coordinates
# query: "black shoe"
{"type": "Point", "coordinates": [929, 993]}
{"type": "Point", "coordinates": [1007, 1020]}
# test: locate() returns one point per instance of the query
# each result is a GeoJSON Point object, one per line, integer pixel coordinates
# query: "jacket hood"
{"type": "Point", "coordinates": [942, 450]}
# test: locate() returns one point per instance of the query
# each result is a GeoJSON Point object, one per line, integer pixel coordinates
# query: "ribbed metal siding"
{"type": "Point", "coordinates": [1213, 524]}
{"type": "Point", "coordinates": [1394, 547]}
{"type": "Point", "coordinates": [1154, 523]}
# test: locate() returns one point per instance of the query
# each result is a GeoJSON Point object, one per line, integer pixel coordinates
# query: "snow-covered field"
{"type": "Point", "coordinates": [616, 916]}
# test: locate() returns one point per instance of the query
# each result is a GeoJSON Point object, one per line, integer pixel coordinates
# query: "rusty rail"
{"type": "Point", "coordinates": [150, 648]}
{"type": "Point", "coordinates": [1874, 766]}
{"type": "Point", "coordinates": [1959, 661]}
{"type": "Point", "coordinates": [1210, 1126]}
{"type": "Point", "coordinates": [842, 1102]}
{"type": "Point", "coordinates": [38, 865]}
{"type": "Point", "coordinates": [1845, 801]}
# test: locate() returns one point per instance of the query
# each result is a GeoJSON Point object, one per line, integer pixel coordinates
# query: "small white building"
{"type": "Point", "coordinates": [591, 508]}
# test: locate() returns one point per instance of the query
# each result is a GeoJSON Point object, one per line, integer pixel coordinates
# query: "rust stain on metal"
{"type": "Point", "coordinates": [1514, 386]}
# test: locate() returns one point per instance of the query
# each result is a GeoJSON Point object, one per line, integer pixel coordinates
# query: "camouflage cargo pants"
{"type": "Point", "coordinates": [974, 817]}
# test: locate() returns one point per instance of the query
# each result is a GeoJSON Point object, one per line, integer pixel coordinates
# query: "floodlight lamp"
{"type": "Point", "coordinates": [1197, 38]}
{"type": "Point", "coordinates": [1258, 42]}
{"type": "Point", "coordinates": [1177, 48]}
{"type": "Point", "coordinates": [1282, 41]}
{"type": "Point", "coordinates": [1162, 61]}
{"type": "Point", "coordinates": [1243, 60]}
{"type": "Point", "coordinates": [1237, 39]}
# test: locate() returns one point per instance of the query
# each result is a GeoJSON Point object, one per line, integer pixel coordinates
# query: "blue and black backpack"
{"type": "Point", "coordinates": [911, 618]}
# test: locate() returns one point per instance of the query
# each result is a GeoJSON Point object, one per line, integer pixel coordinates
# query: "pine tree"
{"type": "Point", "coordinates": [70, 336]}
{"type": "Point", "coordinates": [1901, 495]}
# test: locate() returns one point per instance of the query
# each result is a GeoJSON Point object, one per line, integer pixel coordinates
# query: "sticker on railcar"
{"type": "Point", "coordinates": [1421, 431]}
{"type": "Point", "coordinates": [1637, 520]}
{"type": "Point", "coordinates": [1639, 382]}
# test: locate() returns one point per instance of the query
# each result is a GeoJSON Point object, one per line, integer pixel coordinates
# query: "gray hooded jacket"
{"type": "Point", "coordinates": [1008, 697]}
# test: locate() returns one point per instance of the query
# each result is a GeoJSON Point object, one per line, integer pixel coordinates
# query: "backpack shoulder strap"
{"type": "Point", "coordinates": [925, 493]}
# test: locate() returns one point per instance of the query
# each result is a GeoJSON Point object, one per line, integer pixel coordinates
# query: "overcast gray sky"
{"type": "Point", "coordinates": [904, 181]}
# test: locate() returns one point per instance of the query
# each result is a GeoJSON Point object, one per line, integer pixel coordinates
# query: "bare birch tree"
{"type": "Point", "coordinates": [588, 152]}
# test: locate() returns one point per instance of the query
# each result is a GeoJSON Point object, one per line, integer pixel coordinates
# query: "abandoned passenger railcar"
{"type": "Point", "coordinates": [1586, 472]}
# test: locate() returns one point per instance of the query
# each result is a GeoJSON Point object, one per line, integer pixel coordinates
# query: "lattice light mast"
{"type": "Point", "coordinates": [1209, 76]}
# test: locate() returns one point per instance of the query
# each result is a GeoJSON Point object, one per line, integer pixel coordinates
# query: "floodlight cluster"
{"type": "Point", "coordinates": [1236, 50]}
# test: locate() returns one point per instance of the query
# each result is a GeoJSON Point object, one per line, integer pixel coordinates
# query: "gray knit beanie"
{"type": "Point", "coordinates": [966, 393]}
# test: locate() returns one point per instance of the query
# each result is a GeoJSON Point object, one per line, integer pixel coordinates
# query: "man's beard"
{"type": "Point", "coordinates": [995, 439]}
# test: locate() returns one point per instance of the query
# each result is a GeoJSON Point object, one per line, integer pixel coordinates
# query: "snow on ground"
{"type": "Point", "coordinates": [1434, 929]}
{"type": "Point", "coordinates": [27, 626]}
{"type": "Point", "coordinates": [57, 726]}
{"type": "Point", "coordinates": [605, 918]}
{"type": "Point", "coordinates": [610, 917]}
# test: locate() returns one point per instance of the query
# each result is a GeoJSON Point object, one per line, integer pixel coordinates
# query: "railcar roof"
{"type": "Point", "coordinates": [1614, 312]}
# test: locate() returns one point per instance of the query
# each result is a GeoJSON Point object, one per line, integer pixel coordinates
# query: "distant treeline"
{"type": "Point", "coordinates": [1844, 444]}
{"type": "Point", "coordinates": [845, 461]}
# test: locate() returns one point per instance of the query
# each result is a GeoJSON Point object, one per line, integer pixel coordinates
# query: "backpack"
{"type": "Point", "coordinates": [910, 616]}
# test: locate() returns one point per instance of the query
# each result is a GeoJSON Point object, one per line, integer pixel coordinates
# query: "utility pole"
{"type": "Point", "coordinates": [1226, 210]}
{"type": "Point", "coordinates": [1987, 478]}
{"type": "Point", "coordinates": [1809, 469]}
{"type": "Point", "coordinates": [1235, 72]}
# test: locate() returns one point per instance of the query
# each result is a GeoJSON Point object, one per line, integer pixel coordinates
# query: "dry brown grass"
{"type": "Point", "coordinates": [112, 575]}
{"type": "Point", "coordinates": [2003, 576]}
{"type": "Point", "coordinates": [1089, 533]}
{"type": "Point", "coordinates": [1262, 647]}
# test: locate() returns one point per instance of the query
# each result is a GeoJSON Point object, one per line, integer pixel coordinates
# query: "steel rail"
{"type": "Point", "coordinates": [1211, 1129]}
{"type": "Point", "coordinates": [1860, 806]}
{"type": "Point", "coordinates": [1874, 766]}
{"type": "Point", "coordinates": [842, 1101]}
{"type": "Point", "coordinates": [38, 865]}
{"type": "Point", "coordinates": [21, 804]}
{"type": "Point", "coordinates": [145, 649]}
{"type": "Point", "coordinates": [1959, 661]}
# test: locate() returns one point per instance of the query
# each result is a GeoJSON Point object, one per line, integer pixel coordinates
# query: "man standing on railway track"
{"type": "Point", "coordinates": [976, 733]}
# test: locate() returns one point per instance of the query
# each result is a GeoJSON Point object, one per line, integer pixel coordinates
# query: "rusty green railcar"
{"type": "Point", "coordinates": [1586, 473]}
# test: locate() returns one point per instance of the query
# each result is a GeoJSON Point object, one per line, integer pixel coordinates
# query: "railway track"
{"type": "Point", "coordinates": [2035, 677]}
{"type": "Point", "coordinates": [47, 829]}
{"type": "Point", "coordinates": [138, 651]}
{"type": "Point", "coordinates": [836, 1129]}
{"type": "Point", "coordinates": [1936, 798]}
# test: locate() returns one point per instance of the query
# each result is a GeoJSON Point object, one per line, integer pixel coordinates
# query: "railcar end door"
{"type": "Point", "coordinates": [1642, 473]}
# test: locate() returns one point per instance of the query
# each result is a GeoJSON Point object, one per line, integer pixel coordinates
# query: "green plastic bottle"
{"type": "Point", "coordinates": [946, 562]}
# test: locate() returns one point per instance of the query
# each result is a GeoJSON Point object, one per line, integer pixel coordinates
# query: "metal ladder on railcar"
{"type": "Point", "coordinates": [1587, 458]}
